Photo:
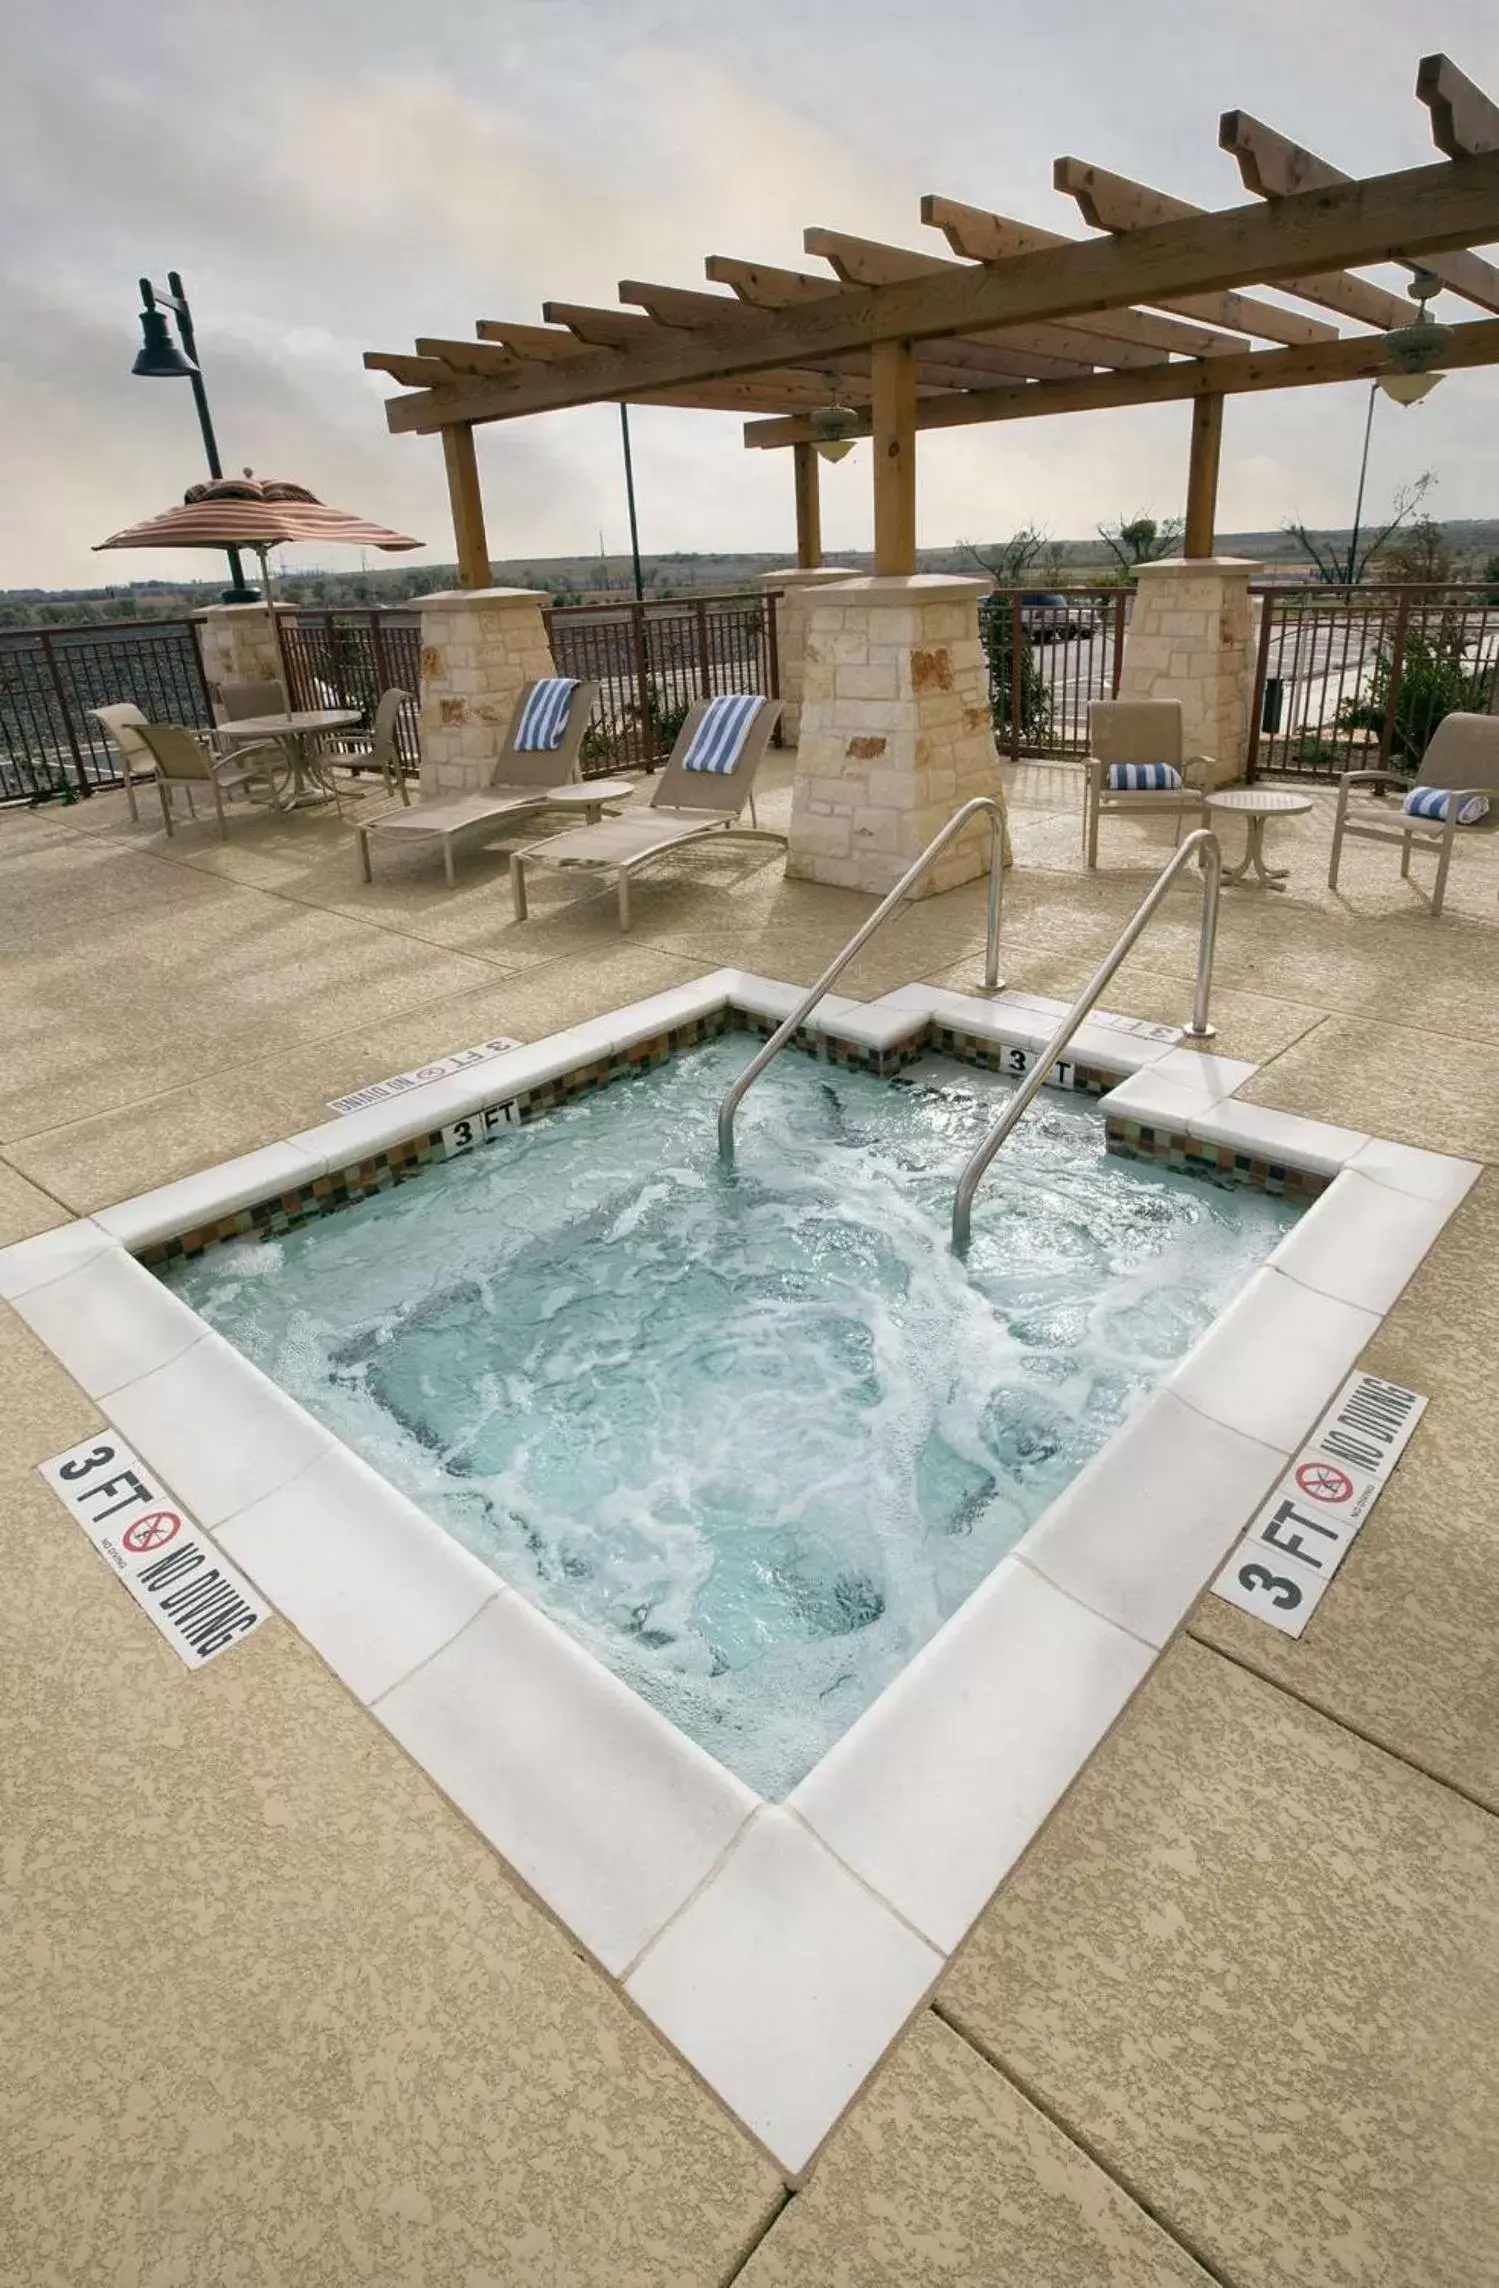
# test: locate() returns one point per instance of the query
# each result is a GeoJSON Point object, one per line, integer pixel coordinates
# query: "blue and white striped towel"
{"type": "Point", "coordinates": [719, 738]}
{"type": "Point", "coordinates": [544, 717]}
{"type": "Point", "coordinates": [1431, 802]}
{"type": "Point", "coordinates": [1143, 778]}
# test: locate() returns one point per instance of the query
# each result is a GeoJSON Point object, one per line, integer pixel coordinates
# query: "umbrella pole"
{"type": "Point", "coordinates": [278, 633]}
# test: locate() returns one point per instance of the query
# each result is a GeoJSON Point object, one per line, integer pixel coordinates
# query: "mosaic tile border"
{"type": "Point", "coordinates": [400, 1163]}
{"type": "Point", "coordinates": [1191, 1156]}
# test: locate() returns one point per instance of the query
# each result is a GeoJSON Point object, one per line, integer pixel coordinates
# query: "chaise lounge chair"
{"type": "Point", "coordinates": [536, 769]}
{"type": "Point", "coordinates": [707, 781]}
{"type": "Point", "coordinates": [1461, 762]}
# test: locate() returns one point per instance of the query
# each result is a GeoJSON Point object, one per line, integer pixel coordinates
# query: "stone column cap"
{"type": "Point", "coordinates": [233, 611]}
{"type": "Point", "coordinates": [455, 599]}
{"type": "Point", "coordinates": [1188, 567]}
{"type": "Point", "coordinates": [914, 588]}
{"type": "Point", "coordinates": [806, 575]}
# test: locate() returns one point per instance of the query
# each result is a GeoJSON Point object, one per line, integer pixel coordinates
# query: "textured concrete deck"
{"type": "Point", "coordinates": [275, 2015]}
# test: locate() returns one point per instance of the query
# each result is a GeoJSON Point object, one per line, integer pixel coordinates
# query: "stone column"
{"type": "Point", "coordinates": [239, 645]}
{"type": "Point", "coordinates": [896, 732]}
{"type": "Point", "coordinates": [480, 646]}
{"type": "Point", "coordinates": [798, 583]}
{"type": "Point", "coordinates": [1192, 637]}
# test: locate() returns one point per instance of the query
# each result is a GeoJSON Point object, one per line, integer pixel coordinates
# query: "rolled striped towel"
{"type": "Point", "coordinates": [1432, 801]}
{"type": "Point", "coordinates": [1143, 778]}
{"type": "Point", "coordinates": [544, 716]}
{"type": "Point", "coordinates": [719, 738]}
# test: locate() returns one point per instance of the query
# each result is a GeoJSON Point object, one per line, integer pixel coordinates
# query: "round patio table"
{"type": "Point", "coordinates": [295, 731]}
{"type": "Point", "coordinates": [1257, 806]}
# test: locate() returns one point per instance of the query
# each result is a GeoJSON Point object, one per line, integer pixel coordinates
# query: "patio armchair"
{"type": "Point", "coordinates": [240, 702]}
{"type": "Point", "coordinates": [708, 780]}
{"type": "Point", "coordinates": [377, 751]}
{"type": "Point", "coordinates": [185, 764]}
{"type": "Point", "coordinates": [536, 769]}
{"type": "Point", "coordinates": [1462, 760]}
{"type": "Point", "coordinates": [1135, 763]}
{"type": "Point", "coordinates": [122, 723]}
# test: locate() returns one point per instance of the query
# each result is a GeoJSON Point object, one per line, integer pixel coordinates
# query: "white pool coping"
{"type": "Point", "coordinates": [779, 1947]}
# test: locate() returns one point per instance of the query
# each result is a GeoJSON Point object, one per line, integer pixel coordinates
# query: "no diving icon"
{"type": "Point", "coordinates": [1324, 1482]}
{"type": "Point", "coordinates": [150, 1532]}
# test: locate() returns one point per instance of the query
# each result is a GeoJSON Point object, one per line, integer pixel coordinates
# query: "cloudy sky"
{"type": "Point", "coordinates": [336, 175]}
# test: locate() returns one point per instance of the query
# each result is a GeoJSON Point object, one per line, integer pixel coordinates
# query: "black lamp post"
{"type": "Point", "coordinates": [160, 359]}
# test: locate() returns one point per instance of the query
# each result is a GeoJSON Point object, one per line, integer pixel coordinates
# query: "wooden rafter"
{"type": "Point", "coordinates": [1463, 121]}
{"type": "Point", "coordinates": [980, 236]}
{"type": "Point", "coordinates": [766, 288]}
{"type": "Point", "coordinates": [1357, 357]}
{"type": "Point", "coordinates": [1115, 203]}
{"type": "Point", "coordinates": [938, 366]}
{"type": "Point", "coordinates": [1309, 235]}
{"type": "Point", "coordinates": [1275, 168]}
{"type": "Point", "coordinates": [1112, 337]}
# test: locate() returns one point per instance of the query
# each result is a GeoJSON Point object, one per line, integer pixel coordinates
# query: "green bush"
{"type": "Point", "coordinates": [996, 626]}
{"type": "Point", "coordinates": [1435, 680]}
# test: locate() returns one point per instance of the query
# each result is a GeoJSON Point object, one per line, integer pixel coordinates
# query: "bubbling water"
{"type": "Point", "coordinates": [750, 1435]}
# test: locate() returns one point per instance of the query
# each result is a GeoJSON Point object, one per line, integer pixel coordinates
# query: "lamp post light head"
{"type": "Point", "coordinates": [159, 357]}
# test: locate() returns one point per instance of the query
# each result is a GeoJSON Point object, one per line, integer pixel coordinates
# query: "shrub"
{"type": "Point", "coordinates": [1435, 680]}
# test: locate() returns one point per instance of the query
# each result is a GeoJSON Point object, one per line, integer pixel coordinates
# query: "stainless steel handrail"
{"type": "Point", "coordinates": [993, 983]}
{"type": "Point", "coordinates": [1204, 842]}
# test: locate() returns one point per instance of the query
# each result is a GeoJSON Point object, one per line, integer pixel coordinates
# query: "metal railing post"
{"type": "Point", "coordinates": [1204, 843]}
{"type": "Point", "coordinates": [733, 1095]}
{"type": "Point", "coordinates": [64, 710]}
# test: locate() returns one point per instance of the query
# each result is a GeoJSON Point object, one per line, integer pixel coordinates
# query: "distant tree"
{"type": "Point", "coordinates": [1008, 561]}
{"type": "Point", "coordinates": [1140, 539]}
{"type": "Point", "coordinates": [1422, 553]}
{"type": "Point", "coordinates": [1491, 574]}
{"type": "Point", "coordinates": [1344, 568]}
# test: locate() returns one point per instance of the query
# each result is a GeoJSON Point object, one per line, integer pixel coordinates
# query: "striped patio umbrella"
{"type": "Point", "coordinates": [260, 513]}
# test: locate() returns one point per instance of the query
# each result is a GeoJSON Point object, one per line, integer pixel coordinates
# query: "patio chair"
{"type": "Point", "coordinates": [184, 764]}
{"type": "Point", "coordinates": [122, 723]}
{"type": "Point", "coordinates": [377, 751]}
{"type": "Point", "coordinates": [1462, 761]}
{"type": "Point", "coordinates": [241, 702]}
{"type": "Point", "coordinates": [536, 769]}
{"type": "Point", "coordinates": [1135, 762]}
{"type": "Point", "coordinates": [708, 779]}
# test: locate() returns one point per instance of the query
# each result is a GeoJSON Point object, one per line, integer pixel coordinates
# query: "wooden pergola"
{"type": "Point", "coordinates": [1013, 322]}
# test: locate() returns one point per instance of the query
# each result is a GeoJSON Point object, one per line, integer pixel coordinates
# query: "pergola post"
{"type": "Point", "coordinates": [467, 504]}
{"type": "Point", "coordinates": [893, 391]}
{"type": "Point", "coordinates": [1202, 474]}
{"type": "Point", "coordinates": [808, 507]}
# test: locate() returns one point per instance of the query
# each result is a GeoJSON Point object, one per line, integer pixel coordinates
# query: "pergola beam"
{"type": "Point", "coordinates": [1416, 211]}
{"type": "Point", "coordinates": [766, 288]}
{"type": "Point", "coordinates": [1117, 337]}
{"type": "Point", "coordinates": [866, 262]}
{"type": "Point", "coordinates": [1463, 120]}
{"type": "Point", "coordinates": [1115, 203]}
{"type": "Point", "coordinates": [1275, 168]}
{"type": "Point", "coordinates": [940, 364]}
{"type": "Point", "coordinates": [1202, 474]}
{"type": "Point", "coordinates": [979, 236]}
{"type": "Point", "coordinates": [1360, 357]}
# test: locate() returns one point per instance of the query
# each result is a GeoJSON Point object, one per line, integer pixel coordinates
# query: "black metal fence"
{"type": "Point", "coordinates": [346, 659]}
{"type": "Point", "coordinates": [1359, 678]}
{"type": "Point", "coordinates": [654, 660]}
{"type": "Point", "coordinates": [50, 678]}
{"type": "Point", "coordinates": [1070, 649]}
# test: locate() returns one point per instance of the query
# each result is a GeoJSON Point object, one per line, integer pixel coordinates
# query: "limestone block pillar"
{"type": "Point", "coordinates": [895, 732]}
{"type": "Point", "coordinates": [480, 646]}
{"type": "Point", "coordinates": [795, 589]}
{"type": "Point", "coordinates": [239, 644]}
{"type": "Point", "coordinates": [1192, 637]}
